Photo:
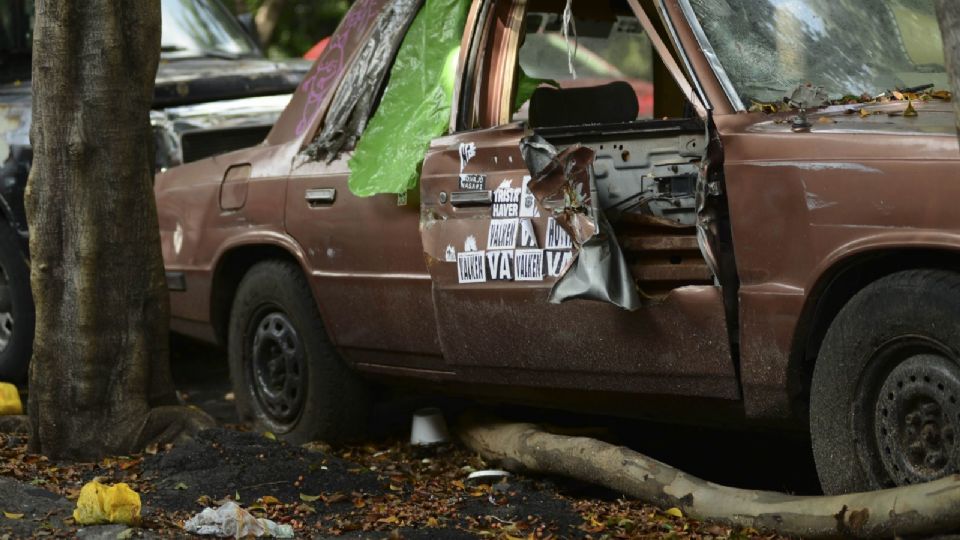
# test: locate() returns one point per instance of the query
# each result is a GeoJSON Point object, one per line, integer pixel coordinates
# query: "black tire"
{"type": "Point", "coordinates": [275, 321]}
{"type": "Point", "coordinates": [16, 325]}
{"type": "Point", "coordinates": [885, 396]}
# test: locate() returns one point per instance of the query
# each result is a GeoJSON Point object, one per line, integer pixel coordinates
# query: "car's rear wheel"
{"type": "Point", "coordinates": [286, 374]}
{"type": "Point", "coordinates": [16, 308]}
{"type": "Point", "coordinates": [885, 395]}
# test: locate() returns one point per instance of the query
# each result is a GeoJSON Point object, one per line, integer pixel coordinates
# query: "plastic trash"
{"type": "Point", "coordinates": [9, 400]}
{"type": "Point", "coordinates": [229, 519]}
{"type": "Point", "coordinates": [429, 427]}
{"type": "Point", "coordinates": [100, 503]}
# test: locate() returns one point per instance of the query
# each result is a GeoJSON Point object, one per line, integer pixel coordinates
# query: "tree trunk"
{"type": "Point", "coordinates": [928, 508]}
{"type": "Point", "coordinates": [100, 355]}
{"type": "Point", "coordinates": [948, 13]}
{"type": "Point", "coordinates": [266, 20]}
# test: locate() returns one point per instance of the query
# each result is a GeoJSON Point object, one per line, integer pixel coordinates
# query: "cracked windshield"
{"type": "Point", "coordinates": [849, 47]}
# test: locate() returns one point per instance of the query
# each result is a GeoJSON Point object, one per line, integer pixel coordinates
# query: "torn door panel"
{"type": "Point", "coordinates": [563, 186]}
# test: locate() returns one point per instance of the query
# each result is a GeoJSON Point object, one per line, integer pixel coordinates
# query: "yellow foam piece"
{"type": "Point", "coordinates": [9, 400]}
{"type": "Point", "coordinates": [99, 503]}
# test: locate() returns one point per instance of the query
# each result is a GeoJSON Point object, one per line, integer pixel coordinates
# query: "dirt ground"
{"type": "Point", "coordinates": [382, 488]}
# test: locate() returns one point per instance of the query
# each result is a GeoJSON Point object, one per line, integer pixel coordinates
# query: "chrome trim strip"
{"type": "Point", "coordinates": [683, 55]}
{"type": "Point", "coordinates": [708, 51]}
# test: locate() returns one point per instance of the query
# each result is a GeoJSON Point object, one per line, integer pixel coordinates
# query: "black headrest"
{"type": "Point", "coordinates": [612, 103]}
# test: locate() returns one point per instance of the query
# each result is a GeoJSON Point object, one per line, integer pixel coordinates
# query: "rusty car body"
{"type": "Point", "coordinates": [783, 261]}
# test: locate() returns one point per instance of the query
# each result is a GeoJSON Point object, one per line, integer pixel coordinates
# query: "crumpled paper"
{"type": "Point", "coordinates": [229, 519]}
{"type": "Point", "coordinates": [100, 503]}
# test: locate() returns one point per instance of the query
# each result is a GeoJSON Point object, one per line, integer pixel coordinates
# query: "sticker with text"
{"type": "Point", "coordinates": [500, 265]}
{"type": "Point", "coordinates": [557, 262]}
{"type": "Point", "coordinates": [557, 237]}
{"type": "Point", "coordinates": [502, 234]}
{"type": "Point", "coordinates": [451, 254]}
{"type": "Point", "coordinates": [528, 264]}
{"type": "Point", "coordinates": [528, 237]}
{"type": "Point", "coordinates": [473, 182]}
{"type": "Point", "coordinates": [506, 201]}
{"type": "Point", "coordinates": [470, 267]}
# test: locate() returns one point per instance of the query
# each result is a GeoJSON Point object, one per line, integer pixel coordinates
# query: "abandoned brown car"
{"type": "Point", "coordinates": [773, 241]}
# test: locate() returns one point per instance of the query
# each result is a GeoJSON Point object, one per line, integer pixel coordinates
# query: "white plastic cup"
{"type": "Point", "coordinates": [428, 427]}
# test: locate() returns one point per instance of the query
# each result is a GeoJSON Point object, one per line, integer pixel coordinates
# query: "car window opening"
{"type": "Point", "coordinates": [625, 106]}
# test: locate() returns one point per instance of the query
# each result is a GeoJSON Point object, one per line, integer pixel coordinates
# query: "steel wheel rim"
{"type": "Point", "coordinates": [908, 413]}
{"type": "Point", "coordinates": [277, 366]}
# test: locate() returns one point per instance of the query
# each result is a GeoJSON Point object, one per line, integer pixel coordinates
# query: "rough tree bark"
{"type": "Point", "coordinates": [948, 13]}
{"type": "Point", "coordinates": [99, 378]}
{"type": "Point", "coordinates": [928, 508]}
{"type": "Point", "coordinates": [266, 20]}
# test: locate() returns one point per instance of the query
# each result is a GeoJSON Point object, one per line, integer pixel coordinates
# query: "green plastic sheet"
{"type": "Point", "coordinates": [416, 103]}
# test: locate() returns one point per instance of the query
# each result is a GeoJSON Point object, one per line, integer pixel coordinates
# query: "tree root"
{"type": "Point", "coordinates": [910, 510]}
{"type": "Point", "coordinates": [173, 424]}
{"type": "Point", "coordinates": [19, 423]}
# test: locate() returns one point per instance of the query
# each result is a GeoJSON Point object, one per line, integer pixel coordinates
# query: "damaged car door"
{"type": "Point", "coordinates": [558, 220]}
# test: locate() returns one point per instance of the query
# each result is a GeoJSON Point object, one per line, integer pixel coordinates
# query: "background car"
{"type": "Point", "coordinates": [214, 92]}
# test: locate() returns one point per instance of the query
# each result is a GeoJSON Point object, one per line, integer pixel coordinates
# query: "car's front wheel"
{"type": "Point", "coordinates": [885, 395]}
{"type": "Point", "coordinates": [286, 374]}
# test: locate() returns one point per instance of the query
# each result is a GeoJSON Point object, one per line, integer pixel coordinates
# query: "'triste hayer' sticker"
{"type": "Point", "coordinates": [529, 264]}
{"type": "Point", "coordinates": [471, 267]}
{"type": "Point", "coordinates": [506, 200]}
{"type": "Point", "coordinates": [502, 234]}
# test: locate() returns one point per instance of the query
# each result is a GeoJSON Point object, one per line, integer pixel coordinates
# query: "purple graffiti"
{"type": "Point", "coordinates": [331, 65]}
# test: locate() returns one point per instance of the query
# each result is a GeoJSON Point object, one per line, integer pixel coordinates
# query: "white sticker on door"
{"type": "Point", "coordinates": [470, 267]}
{"type": "Point", "coordinates": [473, 182]}
{"type": "Point", "coordinates": [506, 200]}
{"type": "Point", "coordinates": [500, 265]}
{"type": "Point", "coordinates": [528, 237]}
{"type": "Point", "coordinates": [557, 262]}
{"type": "Point", "coordinates": [557, 237]}
{"type": "Point", "coordinates": [528, 203]}
{"type": "Point", "coordinates": [529, 264]}
{"type": "Point", "coordinates": [467, 152]}
{"type": "Point", "coordinates": [502, 234]}
{"type": "Point", "coordinates": [470, 244]}
{"type": "Point", "coordinates": [451, 254]}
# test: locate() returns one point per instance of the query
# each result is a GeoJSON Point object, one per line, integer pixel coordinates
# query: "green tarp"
{"type": "Point", "coordinates": [416, 103]}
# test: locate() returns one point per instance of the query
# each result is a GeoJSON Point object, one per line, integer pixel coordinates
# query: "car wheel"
{"type": "Point", "coordinates": [885, 395]}
{"type": "Point", "coordinates": [16, 308]}
{"type": "Point", "coordinates": [286, 374]}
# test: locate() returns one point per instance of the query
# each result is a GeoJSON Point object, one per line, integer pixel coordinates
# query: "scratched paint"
{"type": "Point", "coordinates": [817, 166]}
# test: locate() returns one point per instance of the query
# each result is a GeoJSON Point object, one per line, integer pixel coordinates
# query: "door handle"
{"type": "Point", "coordinates": [471, 198]}
{"type": "Point", "coordinates": [320, 196]}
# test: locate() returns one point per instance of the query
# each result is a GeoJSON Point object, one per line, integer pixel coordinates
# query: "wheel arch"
{"type": "Point", "coordinates": [231, 266]}
{"type": "Point", "coordinates": [836, 286]}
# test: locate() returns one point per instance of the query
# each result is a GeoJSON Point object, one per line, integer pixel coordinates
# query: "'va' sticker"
{"type": "Point", "coordinates": [467, 152]}
{"type": "Point", "coordinates": [529, 264]}
{"type": "Point", "coordinates": [502, 234]}
{"type": "Point", "coordinates": [528, 237]}
{"type": "Point", "coordinates": [557, 237]}
{"type": "Point", "coordinates": [473, 182]}
{"type": "Point", "coordinates": [557, 262]}
{"type": "Point", "coordinates": [506, 201]}
{"type": "Point", "coordinates": [500, 264]}
{"type": "Point", "coordinates": [470, 267]}
{"type": "Point", "coordinates": [528, 203]}
{"type": "Point", "coordinates": [451, 254]}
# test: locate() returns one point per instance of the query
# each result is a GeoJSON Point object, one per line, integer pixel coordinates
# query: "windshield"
{"type": "Point", "coordinates": [190, 28]}
{"type": "Point", "coordinates": [849, 47]}
{"type": "Point", "coordinates": [202, 27]}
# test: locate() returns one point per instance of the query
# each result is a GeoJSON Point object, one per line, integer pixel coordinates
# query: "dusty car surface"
{"type": "Point", "coordinates": [214, 92]}
{"type": "Point", "coordinates": [772, 242]}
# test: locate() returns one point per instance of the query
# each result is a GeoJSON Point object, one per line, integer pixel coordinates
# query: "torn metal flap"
{"type": "Point", "coordinates": [563, 185]}
{"type": "Point", "coordinates": [599, 272]}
